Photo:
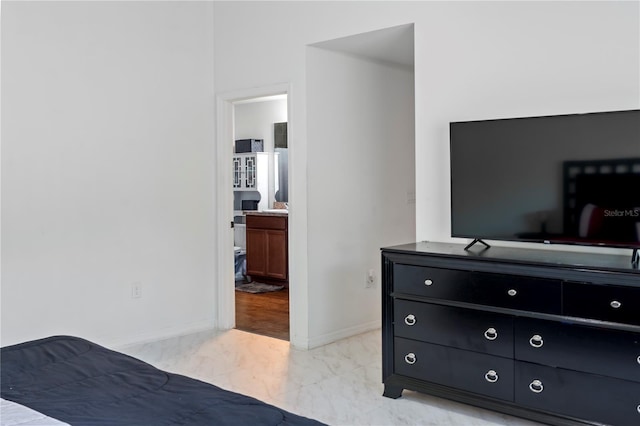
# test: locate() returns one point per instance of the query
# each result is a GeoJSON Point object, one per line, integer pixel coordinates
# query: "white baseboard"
{"type": "Point", "coordinates": [334, 336]}
{"type": "Point", "coordinates": [155, 335]}
{"type": "Point", "coordinates": [152, 336]}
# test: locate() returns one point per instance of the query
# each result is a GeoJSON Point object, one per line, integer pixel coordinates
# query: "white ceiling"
{"type": "Point", "coordinates": [390, 45]}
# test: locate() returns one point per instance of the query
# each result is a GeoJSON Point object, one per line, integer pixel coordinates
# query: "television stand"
{"type": "Point", "coordinates": [549, 336]}
{"type": "Point", "coordinates": [477, 240]}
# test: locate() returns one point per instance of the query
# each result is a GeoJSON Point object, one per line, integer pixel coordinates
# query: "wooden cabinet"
{"type": "Point", "coordinates": [267, 248]}
{"type": "Point", "coordinates": [553, 337]}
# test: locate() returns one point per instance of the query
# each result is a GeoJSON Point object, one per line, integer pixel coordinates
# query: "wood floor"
{"type": "Point", "coordinates": [264, 313]}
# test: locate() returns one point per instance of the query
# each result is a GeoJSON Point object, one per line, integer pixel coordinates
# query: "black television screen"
{"type": "Point", "coordinates": [570, 179]}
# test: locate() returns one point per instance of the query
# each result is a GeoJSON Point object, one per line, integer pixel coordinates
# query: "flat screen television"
{"type": "Point", "coordinates": [565, 179]}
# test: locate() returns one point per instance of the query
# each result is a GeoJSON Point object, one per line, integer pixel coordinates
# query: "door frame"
{"type": "Point", "coordinates": [226, 309]}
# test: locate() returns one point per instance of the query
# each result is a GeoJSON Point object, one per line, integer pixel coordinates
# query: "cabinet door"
{"type": "Point", "coordinates": [245, 172]}
{"type": "Point", "coordinates": [256, 252]}
{"type": "Point", "coordinates": [250, 167]}
{"type": "Point", "coordinates": [267, 253]}
{"type": "Point", "coordinates": [276, 243]}
{"type": "Point", "coordinates": [237, 172]}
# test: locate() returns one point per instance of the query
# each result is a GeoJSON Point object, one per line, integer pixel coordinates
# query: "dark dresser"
{"type": "Point", "coordinates": [547, 335]}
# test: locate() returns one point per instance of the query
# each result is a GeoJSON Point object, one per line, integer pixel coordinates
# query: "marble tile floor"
{"type": "Point", "coordinates": [338, 384]}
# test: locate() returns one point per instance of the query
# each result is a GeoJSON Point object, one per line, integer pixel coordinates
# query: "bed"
{"type": "Point", "coordinates": [79, 382]}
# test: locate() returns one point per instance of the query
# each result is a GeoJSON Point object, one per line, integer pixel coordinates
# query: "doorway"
{"type": "Point", "coordinates": [260, 215]}
{"type": "Point", "coordinates": [227, 106]}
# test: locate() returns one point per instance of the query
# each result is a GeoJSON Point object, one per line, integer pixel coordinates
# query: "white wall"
{"type": "Point", "coordinates": [474, 60]}
{"type": "Point", "coordinates": [501, 59]}
{"type": "Point", "coordinates": [361, 140]}
{"type": "Point", "coordinates": [254, 120]}
{"type": "Point", "coordinates": [107, 130]}
{"type": "Point", "coordinates": [107, 176]}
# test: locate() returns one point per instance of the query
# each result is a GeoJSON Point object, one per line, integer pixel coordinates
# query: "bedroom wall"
{"type": "Point", "coordinates": [360, 137]}
{"type": "Point", "coordinates": [107, 169]}
{"type": "Point", "coordinates": [473, 60]}
{"type": "Point", "coordinates": [512, 60]}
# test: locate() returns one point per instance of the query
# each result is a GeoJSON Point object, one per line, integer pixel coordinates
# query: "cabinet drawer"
{"type": "Point", "coordinates": [266, 222]}
{"type": "Point", "coordinates": [575, 394]}
{"type": "Point", "coordinates": [590, 349]}
{"type": "Point", "coordinates": [603, 302]}
{"type": "Point", "coordinates": [508, 291]}
{"type": "Point", "coordinates": [474, 372]}
{"type": "Point", "coordinates": [457, 327]}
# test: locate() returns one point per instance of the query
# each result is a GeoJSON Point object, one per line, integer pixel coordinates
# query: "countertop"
{"type": "Point", "coordinates": [272, 212]}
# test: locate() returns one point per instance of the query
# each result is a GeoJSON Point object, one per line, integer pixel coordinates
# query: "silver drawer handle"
{"type": "Point", "coordinates": [638, 359]}
{"type": "Point", "coordinates": [410, 358]}
{"type": "Point", "coordinates": [638, 408]}
{"type": "Point", "coordinates": [410, 319]}
{"type": "Point", "coordinates": [491, 376]}
{"type": "Point", "coordinates": [536, 341]}
{"type": "Point", "coordinates": [428, 282]}
{"type": "Point", "coordinates": [536, 386]}
{"type": "Point", "coordinates": [491, 334]}
{"type": "Point", "coordinates": [512, 292]}
{"type": "Point", "coordinates": [615, 304]}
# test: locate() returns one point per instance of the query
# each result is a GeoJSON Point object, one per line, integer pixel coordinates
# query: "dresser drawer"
{"type": "Point", "coordinates": [477, 331]}
{"type": "Point", "coordinates": [603, 302]}
{"type": "Point", "coordinates": [519, 292]}
{"type": "Point", "coordinates": [508, 291]}
{"type": "Point", "coordinates": [474, 372]}
{"type": "Point", "coordinates": [590, 349]}
{"type": "Point", "coordinates": [450, 284]}
{"type": "Point", "coordinates": [582, 395]}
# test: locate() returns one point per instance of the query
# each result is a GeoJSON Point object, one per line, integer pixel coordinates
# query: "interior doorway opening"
{"type": "Point", "coordinates": [260, 215]}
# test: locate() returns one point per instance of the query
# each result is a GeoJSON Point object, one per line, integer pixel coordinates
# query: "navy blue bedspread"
{"type": "Point", "coordinates": [81, 383]}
